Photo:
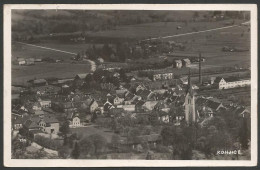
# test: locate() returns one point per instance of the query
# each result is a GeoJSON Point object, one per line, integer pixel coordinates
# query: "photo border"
{"type": "Point", "coordinates": [126, 163]}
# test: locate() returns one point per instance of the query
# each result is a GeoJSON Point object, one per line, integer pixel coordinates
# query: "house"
{"type": "Point", "coordinates": [29, 61]}
{"type": "Point", "coordinates": [129, 97]}
{"type": "Point", "coordinates": [30, 125]}
{"type": "Point", "coordinates": [243, 112]}
{"type": "Point", "coordinates": [203, 103]}
{"type": "Point", "coordinates": [144, 94]}
{"type": "Point", "coordinates": [163, 75]}
{"type": "Point", "coordinates": [39, 112]}
{"type": "Point", "coordinates": [93, 106]}
{"type": "Point", "coordinates": [117, 100]}
{"type": "Point", "coordinates": [139, 106]}
{"type": "Point", "coordinates": [128, 108]}
{"type": "Point", "coordinates": [163, 117]}
{"type": "Point", "coordinates": [81, 76]}
{"type": "Point", "coordinates": [74, 119]}
{"type": "Point", "coordinates": [140, 87]}
{"type": "Point", "coordinates": [177, 64]}
{"type": "Point", "coordinates": [35, 106]}
{"type": "Point", "coordinates": [121, 92]}
{"type": "Point", "coordinates": [108, 106]}
{"type": "Point", "coordinates": [231, 82]}
{"type": "Point", "coordinates": [79, 79]}
{"type": "Point", "coordinates": [149, 105]}
{"type": "Point", "coordinates": [45, 103]}
{"type": "Point", "coordinates": [48, 123]}
{"type": "Point", "coordinates": [18, 121]}
{"type": "Point", "coordinates": [186, 62]}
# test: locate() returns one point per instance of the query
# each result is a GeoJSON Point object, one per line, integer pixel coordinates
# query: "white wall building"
{"type": "Point", "coordinates": [232, 83]}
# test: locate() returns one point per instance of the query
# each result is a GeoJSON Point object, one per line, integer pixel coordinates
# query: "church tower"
{"type": "Point", "coordinates": [190, 115]}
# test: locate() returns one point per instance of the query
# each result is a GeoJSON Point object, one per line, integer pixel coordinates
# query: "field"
{"type": "Point", "coordinates": [21, 74]}
{"type": "Point", "coordinates": [158, 29]}
{"type": "Point", "coordinates": [87, 131]}
{"type": "Point", "coordinates": [210, 44]}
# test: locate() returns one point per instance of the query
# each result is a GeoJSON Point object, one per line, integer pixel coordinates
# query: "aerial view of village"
{"type": "Point", "coordinates": [131, 84]}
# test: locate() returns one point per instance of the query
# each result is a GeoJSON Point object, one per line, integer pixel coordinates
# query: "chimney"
{"type": "Point", "coordinates": [200, 74]}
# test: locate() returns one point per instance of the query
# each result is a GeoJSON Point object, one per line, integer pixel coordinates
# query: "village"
{"type": "Point", "coordinates": [150, 99]}
{"type": "Point", "coordinates": [116, 103]}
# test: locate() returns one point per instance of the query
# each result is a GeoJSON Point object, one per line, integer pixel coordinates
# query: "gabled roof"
{"type": "Point", "coordinates": [129, 96]}
{"type": "Point", "coordinates": [140, 103]}
{"type": "Point", "coordinates": [81, 76]}
{"type": "Point", "coordinates": [31, 124]}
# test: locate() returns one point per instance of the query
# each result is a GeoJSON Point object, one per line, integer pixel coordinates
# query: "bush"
{"type": "Point", "coordinates": [161, 149]}
{"type": "Point", "coordinates": [47, 143]}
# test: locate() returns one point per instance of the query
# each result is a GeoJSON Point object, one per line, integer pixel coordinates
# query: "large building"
{"type": "Point", "coordinates": [163, 75]}
{"type": "Point", "coordinates": [229, 83]}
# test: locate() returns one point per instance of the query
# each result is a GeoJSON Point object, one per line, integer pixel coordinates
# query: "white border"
{"type": "Point", "coordinates": [126, 163]}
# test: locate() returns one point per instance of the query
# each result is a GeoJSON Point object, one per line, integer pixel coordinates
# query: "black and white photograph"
{"type": "Point", "coordinates": [89, 84]}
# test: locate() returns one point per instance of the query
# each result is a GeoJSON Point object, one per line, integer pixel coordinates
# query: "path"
{"type": "Point", "coordinates": [195, 32]}
{"type": "Point", "coordinates": [92, 63]}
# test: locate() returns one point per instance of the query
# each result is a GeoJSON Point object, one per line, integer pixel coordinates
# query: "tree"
{"type": "Point", "coordinates": [99, 143]}
{"type": "Point", "coordinates": [76, 151]}
{"type": "Point", "coordinates": [133, 135]}
{"type": "Point", "coordinates": [64, 152]}
{"type": "Point", "coordinates": [86, 146]}
{"type": "Point", "coordinates": [243, 134]}
{"type": "Point", "coordinates": [115, 141]}
{"type": "Point", "coordinates": [65, 128]}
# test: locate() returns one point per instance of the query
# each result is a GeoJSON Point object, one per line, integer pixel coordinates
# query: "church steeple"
{"type": "Point", "coordinates": [189, 88]}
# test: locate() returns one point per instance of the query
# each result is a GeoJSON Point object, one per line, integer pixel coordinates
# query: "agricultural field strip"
{"type": "Point", "coordinates": [195, 32]}
{"type": "Point", "coordinates": [47, 48]}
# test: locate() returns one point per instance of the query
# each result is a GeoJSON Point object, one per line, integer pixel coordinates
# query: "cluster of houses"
{"type": "Point", "coordinates": [51, 106]}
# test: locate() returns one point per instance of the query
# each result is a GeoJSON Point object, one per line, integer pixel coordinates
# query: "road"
{"type": "Point", "coordinates": [92, 63]}
{"type": "Point", "coordinates": [47, 48]}
{"type": "Point", "coordinates": [195, 32]}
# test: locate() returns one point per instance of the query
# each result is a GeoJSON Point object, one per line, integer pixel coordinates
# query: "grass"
{"type": "Point", "coordinates": [210, 44]}
{"type": "Point", "coordinates": [21, 74]}
{"type": "Point", "coordinates": [87, 131]}
{"type": "Point", "coordinates": [157, 29]}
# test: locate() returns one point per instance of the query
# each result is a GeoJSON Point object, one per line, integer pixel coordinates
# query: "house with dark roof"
{"type": "Point", "coordinates": [243, 112]}
{"type": "Point", "coordinates": [139, 106]}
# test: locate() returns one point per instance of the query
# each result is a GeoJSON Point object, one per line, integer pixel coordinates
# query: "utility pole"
{"type": "Point", "coordinates": [200, 71]}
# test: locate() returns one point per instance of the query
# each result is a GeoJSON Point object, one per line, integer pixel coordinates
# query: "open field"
{"type": "Point", "coordinates": [157, 29]}
{"type": "Point", "coordinates": [87, 131]}
{"type": "Point", "coordinates": [209, 43]}
{"type": "Point", "coordinates": [21, 74]}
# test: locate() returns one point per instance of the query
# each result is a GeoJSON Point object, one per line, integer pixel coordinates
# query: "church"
{"type": "Point", "coordinates": [190, 113]}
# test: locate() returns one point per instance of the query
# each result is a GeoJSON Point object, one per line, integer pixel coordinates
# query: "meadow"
{"type": "Point", "coordinates": [210, 44]}
{"type": "Point", "coordinates": [21, 74]}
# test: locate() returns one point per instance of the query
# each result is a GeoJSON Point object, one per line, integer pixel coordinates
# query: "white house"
{"type": "Point", "coordinates": [229, 83]}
